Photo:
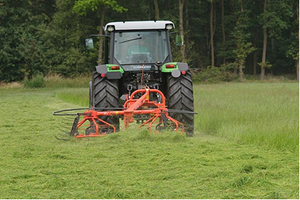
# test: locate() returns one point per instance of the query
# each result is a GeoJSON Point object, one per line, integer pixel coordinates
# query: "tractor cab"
{"type": "Point", "coordinates": [133, 44]}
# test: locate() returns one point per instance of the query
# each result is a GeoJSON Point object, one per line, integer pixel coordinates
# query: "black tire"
{"type": "Point", "coordinates": [105, 94]}
{"type": "Point", "coordinates": [180, 97]}
{"type": "Point", "coordinates": [91, 103]}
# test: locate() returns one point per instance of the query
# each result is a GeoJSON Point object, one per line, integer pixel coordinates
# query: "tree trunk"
{"type": "Point", "coordinates": [235, 70]}
{"type": "Point", "coordinates": [212, 34]}
{"type": "Point", "coordinates": [241, 73]}
{"type": "Point", "coordinates": [181, 30]}
{"type": "Point", "coordinates": [223, 33]}
{"type": "Point", "coordinates": [263, 60]}
{"type": "Point", "coordinates": [264, 53]}
{"type": "Point", "coordinates": [186, 26]}
{"type": "Point", "coordinates": [297, 60]}
{"type": "Point", "coordinates": [102, 10]}
{"type": "Point", "coordinates": [254, 61]}
{"type": "Point", "coordinates": [156, 10]}
{"type": "Point", "coordinates": [297, 69]}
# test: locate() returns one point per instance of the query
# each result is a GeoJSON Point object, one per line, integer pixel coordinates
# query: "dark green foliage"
{"type": "Point", "coordinates": [47, 36]}
{"type": "Point", "coordinates": [21, 54]}
{"type": "Point", "coordinates": [64, 38]}
{"type": "Point", "coordinates": [215, 74]}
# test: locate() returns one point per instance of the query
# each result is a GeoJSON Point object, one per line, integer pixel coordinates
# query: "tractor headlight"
{"type": "Point", "coordinates": [110, 28]}
{"type": "Point", "coordinates": [169, 26]}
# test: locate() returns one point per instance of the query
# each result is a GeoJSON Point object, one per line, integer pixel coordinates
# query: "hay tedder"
{"type": "Point", "coordinates": [141, 83]}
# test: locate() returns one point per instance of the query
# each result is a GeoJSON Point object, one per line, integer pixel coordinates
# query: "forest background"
{"type": "Point", "coordinates": [230, 39]}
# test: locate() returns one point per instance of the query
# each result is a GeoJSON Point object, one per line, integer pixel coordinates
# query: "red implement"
{"type": "Point", "coordinates": [157, 111]}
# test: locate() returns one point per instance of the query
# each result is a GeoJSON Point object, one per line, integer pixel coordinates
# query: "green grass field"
{"type": "Point", "coordinates": [246, 145]}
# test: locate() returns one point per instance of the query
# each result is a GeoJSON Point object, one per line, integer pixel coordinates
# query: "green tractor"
{"type": "Point", "coordinates": [138, 55]}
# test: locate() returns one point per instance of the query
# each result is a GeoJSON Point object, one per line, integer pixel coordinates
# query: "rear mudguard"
{"type": "Point", "coordinates": [110, 71]}
{"type": "Point", "coordinates": [175, 68]}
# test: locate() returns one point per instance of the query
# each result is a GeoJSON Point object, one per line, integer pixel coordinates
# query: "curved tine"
{"type": "Point", "coordinates": [59, 112]}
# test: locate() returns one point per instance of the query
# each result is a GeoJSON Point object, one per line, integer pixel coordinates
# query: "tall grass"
{"type": "Point", "coordinates": [264, 114]}
{"type": "Point", "coordinates": [56, 81]}
{"type": "Point", "coordinates": [78, 96]}
{"type": "Point", "coordinates": [37, 81]}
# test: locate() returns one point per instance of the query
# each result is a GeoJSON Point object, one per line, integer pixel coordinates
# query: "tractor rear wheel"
{"type": "Point", "coordinates": [105, 94]}
{"type": "Point", "coordinates": [180, 97]}
{"type": "Point", "coordinates": [91, 95]}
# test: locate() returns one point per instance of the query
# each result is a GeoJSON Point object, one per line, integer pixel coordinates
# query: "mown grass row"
{"type": "Point", "coordinates": [263, 114]}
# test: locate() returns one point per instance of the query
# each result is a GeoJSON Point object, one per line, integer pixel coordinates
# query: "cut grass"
{"type": "Point", "coordinates": [139, 164]}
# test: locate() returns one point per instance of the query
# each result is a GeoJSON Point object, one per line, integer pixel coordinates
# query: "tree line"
{"type": "Point", "coordinates": [255, 37]}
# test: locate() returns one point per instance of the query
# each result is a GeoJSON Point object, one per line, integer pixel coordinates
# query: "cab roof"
{"type": "Point", "coordinates": [138, 25]}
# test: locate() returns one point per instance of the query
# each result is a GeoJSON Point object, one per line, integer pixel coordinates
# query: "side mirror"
{"type": "Point", "coordinates": [89, 43]}
{"type": "Point", "coordinates": [179, 40]}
